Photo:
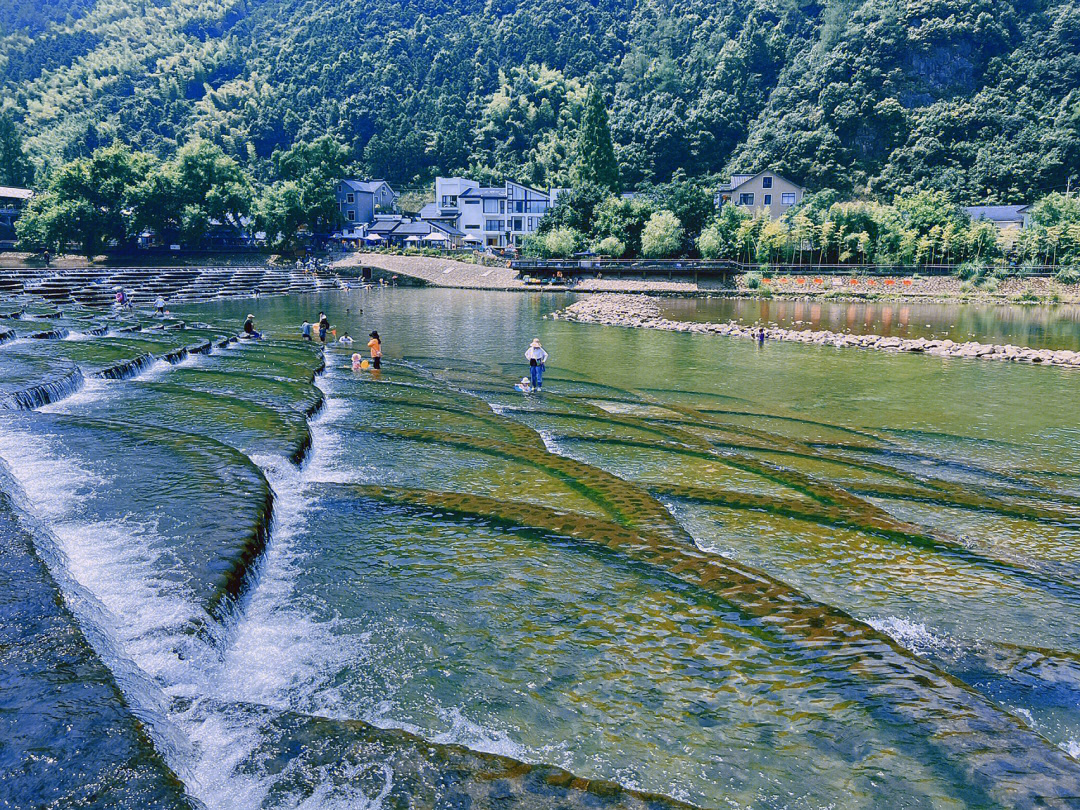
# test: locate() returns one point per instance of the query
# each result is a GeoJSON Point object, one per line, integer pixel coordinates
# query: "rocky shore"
{"type": "Point", "coordinates": [643, 312]}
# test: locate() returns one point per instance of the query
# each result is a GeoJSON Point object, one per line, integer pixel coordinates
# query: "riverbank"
{"type": "Point", "coordinates": [643, 312]}
{"type": "Point", "coordinates": [448, 272]}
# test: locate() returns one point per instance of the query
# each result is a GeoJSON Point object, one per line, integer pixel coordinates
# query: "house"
{"type": "Point", "coordinates": [12, 202]}
{"type": "Point", "coordinates": [766, 192]}
{"type": "Point", "coordinates": [360, 200]}
{"type": "Point", "coordinates": [1003, 216]}
{"type": "Point", "coordinates": [492, 216]}
{"type": "Point", "coordinates": [418, 233]}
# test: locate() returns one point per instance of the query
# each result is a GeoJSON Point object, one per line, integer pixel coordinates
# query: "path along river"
{"type": "Point", "coordinates": [778, 576]}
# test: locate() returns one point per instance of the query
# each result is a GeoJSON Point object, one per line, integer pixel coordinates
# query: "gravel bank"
{"type": "Point", "coordinates": [643, 312]}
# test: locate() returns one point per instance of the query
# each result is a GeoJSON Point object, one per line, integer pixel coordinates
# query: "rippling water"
{"type": "Point", "coordinates": [732, 575]}
{"type": "Point", "coordinates": [1042, 327]}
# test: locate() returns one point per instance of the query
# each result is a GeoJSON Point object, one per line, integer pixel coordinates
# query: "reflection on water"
{"type": "Point", "coordinates": [1050, 327]}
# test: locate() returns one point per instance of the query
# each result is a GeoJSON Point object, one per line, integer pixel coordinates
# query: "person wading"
{"type": "Point", "coordinates": [375, 344]}
{"type": "Point", "coordinates": [324, 326]}
{"type": "Point", "coordinates": [537, 357]}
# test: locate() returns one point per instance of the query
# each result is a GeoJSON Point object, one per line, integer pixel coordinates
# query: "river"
{"type": "Point", "coordinates": [736, 575]}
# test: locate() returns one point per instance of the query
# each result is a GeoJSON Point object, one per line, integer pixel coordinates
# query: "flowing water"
{"type": "Point", "coordinates": [693, 570]}
{"type": "Point", "coordinates": [1040, 327]}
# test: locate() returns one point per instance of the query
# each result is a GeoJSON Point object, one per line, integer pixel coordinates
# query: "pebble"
{"type": "Point", "coordinates": [641, 311]}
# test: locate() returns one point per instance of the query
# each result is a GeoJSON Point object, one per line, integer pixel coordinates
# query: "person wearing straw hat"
{"type": "Point", "coordinates": [537, 357]}
{"type": "Point", "coordinates": [249, 328]}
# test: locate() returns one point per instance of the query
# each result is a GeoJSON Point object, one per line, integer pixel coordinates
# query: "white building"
{"type": "Point", "coordinates": [497, 216]}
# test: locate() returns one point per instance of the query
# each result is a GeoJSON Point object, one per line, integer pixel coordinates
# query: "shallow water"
{"type": "Point", "coordinates": [1043, 327]}
{"type": "Point", "coordinates": [736, 575]}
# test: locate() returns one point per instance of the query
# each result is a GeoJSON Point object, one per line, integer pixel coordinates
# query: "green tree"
{"type": "Point", "coordinates": [624, 219]}
{"type": "Point", "coordinates": [280, 211]}
{"type": "Point", "coordinates": [595, 160]}
{"type": "Point", "coordinates": [574, 208]}
{"type": "Point", "coordinates": [662, 237]}
{"type": "Point", "coordinates": [610, 246]}
{"type": "Point", "coordinates": [15, 167]}
{"type": "Point", "coordinates": [212, 188]}
{"type": "Point", "coordinates": [688, 200]}
{"type": "Point", "coordinates": [563, 242]}
{"type": "Point", "coordinates": [315, 168]}
{"type": "Point", "coordinates": [85, 202]}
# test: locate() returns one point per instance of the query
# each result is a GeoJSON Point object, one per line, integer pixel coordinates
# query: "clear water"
{"type": "Point", "coordinates": [776, 576]}
{"type": "Point", "coordinates": [1042, 327]}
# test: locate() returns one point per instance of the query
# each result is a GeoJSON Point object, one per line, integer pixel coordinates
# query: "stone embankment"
{"type": "Point", "coordinates": [643, 312]}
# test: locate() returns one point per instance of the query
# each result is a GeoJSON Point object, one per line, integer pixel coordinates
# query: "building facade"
{"type": "Point", "coordinates": [12, 202]}
{"type": "Point", "coordinates": [764, 192]}
{"type": "Point", "coordinates": [489, 216]}
{"type": "Point", "coordinates": [360, 200]}
{"type": "Point", "coordinates": [1004, 217]}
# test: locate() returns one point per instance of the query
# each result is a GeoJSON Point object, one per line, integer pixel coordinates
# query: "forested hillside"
{"type": "Point", "coordinates": [980, 98]}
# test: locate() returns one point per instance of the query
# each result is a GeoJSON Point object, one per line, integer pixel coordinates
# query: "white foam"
{"type": "Point", "coordinates": [1072, 748]}
{"type": "Point", "coordinates": [92, 390]}
{"type": "Point", "coordinates": [913, 635]}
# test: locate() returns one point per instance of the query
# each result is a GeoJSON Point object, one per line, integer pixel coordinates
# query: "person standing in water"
{"type": "Point", "coordinates": [159, 305]}
{"type": "Point", "coordinates": [375, 344]}
{"type": "Point", "coordinates": [537, 357]}
{"type": "Point", "coordinates": [305, 330]}
{"type": "Point", "coordinates": [324, 326]}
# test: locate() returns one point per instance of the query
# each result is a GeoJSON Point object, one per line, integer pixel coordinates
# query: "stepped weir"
{"type": "Point", "coordinates": [273, 581]}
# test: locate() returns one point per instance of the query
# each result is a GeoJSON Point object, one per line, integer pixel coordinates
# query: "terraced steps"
{"type": "Point", "coordinates": [97, 287]}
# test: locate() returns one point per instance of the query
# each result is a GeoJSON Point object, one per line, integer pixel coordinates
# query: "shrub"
{"type": "Point", "coordinates": [610, 246]}
{"type": "Point", "coordinates": [663, 235]}
{"type": "Point", "coordinates": [970, 270]}
{"type": "Point", "coordinates": [1028, 296]}
{"type": "Point", "coordinates": [752, 280]}
{"type": "Point", "coordinates": [1068, 275]}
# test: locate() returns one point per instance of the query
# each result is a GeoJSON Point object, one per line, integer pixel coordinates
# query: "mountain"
{"type": "Point", "coordinates": [980, 98]}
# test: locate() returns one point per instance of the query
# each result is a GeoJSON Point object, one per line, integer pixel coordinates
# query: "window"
{"type": "Point", "coordinates": [352, 215]}
{"type": "Point", "coordinates": [768, 199]}
{"type": "Point", "coordinates": [449, 201]}
{"type": "Point", "coordinates": [491, 205]}
{"type": "Point", "coordinates": [746, 198]}
{"type": "Point", "coordinates": [518, 224]}
{"type": "Point", "coordinates": [493, 225]}
{"type": "Point", "coordinates": [472, 227]}
{"type": "Point", "coordinates": [766, 182]}
{"type": "Point", "coordinates": [472, 202]}
{"type": "Point", "coordinates": [788, 198]}
{"type": "Point", "coordinates": [350, 198]}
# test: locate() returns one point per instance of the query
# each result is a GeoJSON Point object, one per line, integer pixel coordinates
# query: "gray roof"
{"type": "Point", "coordinates": [410, 228]}
{"type": "Point", "coordinates": [738, 179]}
{"type": "Point", "coordinates": [997, 213]}
{"type": "Point", "coordinates": [383, 225]}
{"type": "Point", "coordinates": [369, 186]}
{"type": "Point", "coordinates": [12, 193]}
{"type": "Point", "coordinates": [449, 230]}
{"type": "Point", "coordinates": [484, 191]}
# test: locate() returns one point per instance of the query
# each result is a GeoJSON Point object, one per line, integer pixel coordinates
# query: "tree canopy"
{"type": "Point", "coordinates": [977, 98]}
